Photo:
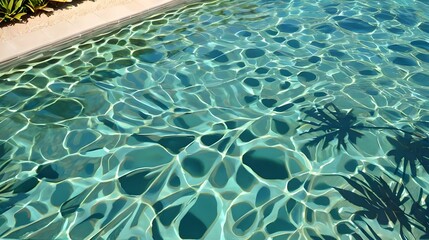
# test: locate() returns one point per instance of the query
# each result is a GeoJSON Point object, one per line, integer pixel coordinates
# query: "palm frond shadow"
{"type": "Point", "coordinates": [372, 234]}
{"type": "Point", "coordinates": [379, 202]}
{"type": "Point", "coordinates": [410, 149]}
{"type": "Point", "coordinates": [420, 212]}
{"type": "Point", "coordinates": [335, 124]}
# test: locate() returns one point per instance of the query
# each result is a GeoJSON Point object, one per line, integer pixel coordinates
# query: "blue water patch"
{"type": "Point", "coordinates": [356, 25]}
{"type": "Point", "coordinates": [400, 48]}
{"type": "Point", "coordinates": [246, 119]}
{"type": "Point", "coordinates": [421, 44]}
{"type": "Point", "coordinates": [424, 27]}
{"type": "Point", "coordinates": [288, 27]}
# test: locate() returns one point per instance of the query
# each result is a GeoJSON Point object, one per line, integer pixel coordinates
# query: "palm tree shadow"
{"type": "Point", "coordinates": [410, 149]}
{"type": "Point", "coordinates": [379, 201]}
{"type": "Point", "coordinates": [420, 212]}
{"type": "Point", "coordinates": [335, 124]}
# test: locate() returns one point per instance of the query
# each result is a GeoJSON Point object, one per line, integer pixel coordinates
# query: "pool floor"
{"type": "Point", "coordinates": [261, 119]}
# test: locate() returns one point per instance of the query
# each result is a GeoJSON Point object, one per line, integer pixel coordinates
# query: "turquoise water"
{"type": "Point", "coordinates": [225, 120]}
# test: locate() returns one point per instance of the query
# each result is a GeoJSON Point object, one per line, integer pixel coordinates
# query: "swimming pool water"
{"type": "Point", "coordinates": [225, 120]}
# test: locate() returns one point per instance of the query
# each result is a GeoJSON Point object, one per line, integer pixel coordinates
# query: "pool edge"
{"type": "Point", "coordinates": [46, 43]}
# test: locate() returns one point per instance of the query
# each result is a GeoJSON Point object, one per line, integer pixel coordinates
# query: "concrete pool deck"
{"type": "Point", "coordinates": [42, 31]}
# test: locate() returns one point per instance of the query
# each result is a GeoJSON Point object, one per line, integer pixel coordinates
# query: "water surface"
{"type": "Point", "coordinates": [224, 120]}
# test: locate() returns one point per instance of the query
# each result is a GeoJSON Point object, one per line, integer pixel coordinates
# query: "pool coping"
{"type": "Point", "coordinates": [32, 44]}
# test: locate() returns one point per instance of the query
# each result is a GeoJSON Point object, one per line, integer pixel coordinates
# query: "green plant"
{"type": "Point", "coordinates": [39, 5]}
{"type": "Point", "coordinates": [11, 10]}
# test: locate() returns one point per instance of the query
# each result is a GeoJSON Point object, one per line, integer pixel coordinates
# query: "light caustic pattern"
{"type": "Point", "coordinates": [225, 120]}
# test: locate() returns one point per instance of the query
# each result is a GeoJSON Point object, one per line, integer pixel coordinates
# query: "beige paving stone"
{"type": "Point", "coordinates": [86, 23]}
{"type": "Point", "coordinates": [135, 7]}
{"type": "Point", "coordinates": [33, 41]}
{"type": "Point", "coordinates": [7, 49]}
{"type": "Point", "coordinates": [65, 29]}
{"type": "Point", "coordinates": [114, 14]}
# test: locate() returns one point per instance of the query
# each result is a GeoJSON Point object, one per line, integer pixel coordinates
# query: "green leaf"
{"type": "Point", "coordinates": [19, 15]}
{"type": "Point", "coordinates": [46, 9]}
{"type": "Point", "coordinates": [31, 8]}
{"type": "Point", "coordinates": [10, 6]}
{"type": "Point", "coordinates": [17, 5]}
